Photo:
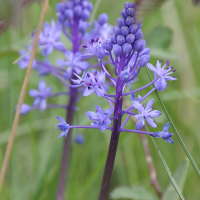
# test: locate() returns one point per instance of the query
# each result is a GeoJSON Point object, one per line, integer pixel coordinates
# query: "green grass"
{"type": "Point", "coordinates": [35, 160]}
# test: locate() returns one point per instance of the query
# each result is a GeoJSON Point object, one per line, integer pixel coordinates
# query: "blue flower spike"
{"type": "Point", "coordinates": [164, 134]}
{"type": "Point", "coordinates": [63, 126]}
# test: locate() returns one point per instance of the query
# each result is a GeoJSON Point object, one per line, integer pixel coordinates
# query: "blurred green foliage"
{"type": "Point", "coordinates": [173, 32]}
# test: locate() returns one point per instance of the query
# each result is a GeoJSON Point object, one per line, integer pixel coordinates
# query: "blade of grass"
{"type": "Point", "coordinates": [168, 170]}
{"type": "Point", "coordinates": [176, 131]}
{"type": "Point", "coordinates": [22, 96]}
{"type": "Point", "coordinates": [95, 9]}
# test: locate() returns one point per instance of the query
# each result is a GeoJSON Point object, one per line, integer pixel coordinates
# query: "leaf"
{"type": "Point", "coordinates": [173, 181]}
{"type": "Point", "coordinates": [160, 37]}
{"type": "Point", "coordinates": [136, 193]}
{"type": "Point", "coordinates": [180, 177]}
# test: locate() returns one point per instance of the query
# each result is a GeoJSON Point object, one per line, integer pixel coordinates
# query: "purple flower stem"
{"type": "Point", "coordinates": [134, 131]}
{"type": "Point", "coordinates": [50, 106]}
{"type": "Point", "coordinates": [50, 67]}
{"type": "Point", "coordinates": [98, 64]}
{"type": "Point", "coordinates": [110, 95]}
{"type": "Point", "coordinates": [125, 94]}
{"type": "Point", "coordinates": [106, 72]}
{"type": "Point", "coordinates": [66, 33]}
{"type": "Point", "coordinates": [145, 96]}
{"type": "Point", "coordinates": [58, 94]}
{"type": "Point", "coordinates": [109, 99]}
{"type": "Point", "coordinates": [130, 113]}
{"type": "Point", "coordinates": [61, 80]}
{"type": "Point", "coordinates": [111, 57]}
{"type": "Point", "coordinates": [92, 127]}
{"type": "Point", "coordinates": [129, 57]}
{"type": "Point", "coordinates": [126, 120]}
{"type": "Point", "coordinates": [142, 98]}
{"type": "Point", "coordinates": [106, 98]}
{"type": "Point", "coordinates": [69, 119]}
{"type": "Point", "coordinates": [114, 137]}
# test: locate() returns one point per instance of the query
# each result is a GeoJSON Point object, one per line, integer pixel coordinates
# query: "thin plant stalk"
{"type": "Point", "coordinates": [22, 96]}
{"type": "Point", "coordinates": [61, 188]}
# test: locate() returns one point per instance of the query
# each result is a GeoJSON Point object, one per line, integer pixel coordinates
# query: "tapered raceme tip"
{"type": "Point", "coordinates": [128, 32]}
{"type": "Point", "coordinates": [72, 9]}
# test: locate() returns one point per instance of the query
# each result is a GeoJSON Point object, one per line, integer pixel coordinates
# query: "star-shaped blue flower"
{"type": "Point", "coordinates": [41, 95]}
{"type": "Point", "coordinates": [163, 73]}
{"type": "Point", "coordinates": [74, 61]}
{"type": "Point", "coordinates": [50, 38]}
{"type": "Point", "coordinates": [164, 134]}
{"type": "Point", "coordinates": [63, 126]}
{"type": "Point", "coordinates": [101, 118]}
{"type": "Point", "coordinates": [145, 114]}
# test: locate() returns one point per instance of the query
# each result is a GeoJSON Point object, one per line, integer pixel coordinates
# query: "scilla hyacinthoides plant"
{"type": "Point", "coordinates": [128, 54]}
{"type": "Point", "coordinates": [72, 23]}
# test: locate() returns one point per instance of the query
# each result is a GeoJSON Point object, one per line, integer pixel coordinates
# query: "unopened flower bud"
{"type": "Point", "coordinates": [124, 30]}
{"type": "Point", "coordinates": [60, 7]}
{"type": "Point", "coordinates": [129, 20]}
{"type": "Point", "coordinates": [132, 97]}
{"type": "Point", "coordinates": [79, 139]}
{"type": "Point", "coordinates": [103, 18]}
{"type": "Point", "coordinates": [146, 51]}
{"type": "Point", "coordinates": [77, 10]}
{"type": "Point", "coordinates": [69, 14]}
{"type": "Point", "coordinates": [117, 50]}
{"type": "Point", "coordinates": [144, 60]}
{"type": "Point", "coordinates": [121, 22]}
{"type": "Point", "coordinates": [130, 11]}
{"type": "Point", "coordinates": [100, 52]}
{"type": "Point", "coordinates": [123, 13]}
{"type": "Point", "coordinates": [107, 45]}
{"type": "Point", "coordinates": [130, 38]}
{"type": "Point", "coordinates": [124, 75]}
{"type": "Point", "coordinates": [126, 48]}
{"type": "Point", "coordinates": [76, 2]}
{"type": "Point", "coordinates": [85, 14]}
{"type": "Point", "coordinates": [138, 34]}
{"type": "Point", "coordinates": [116, 30]}
{"type": "Point", "coordinates": [113, 39]}
{"type": "Point", "coordinates": [69, 4]}
{"type": "Point", "coordinates": [133, 28]}
{"type": "Point", "coordinates": [142, 46]}
{"type": "Point", "coordinates": [120, 39]}
{"type": "Point", "coordinates": [82, 27]}
{"type": "Point", "coordinates": [137, 45]}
